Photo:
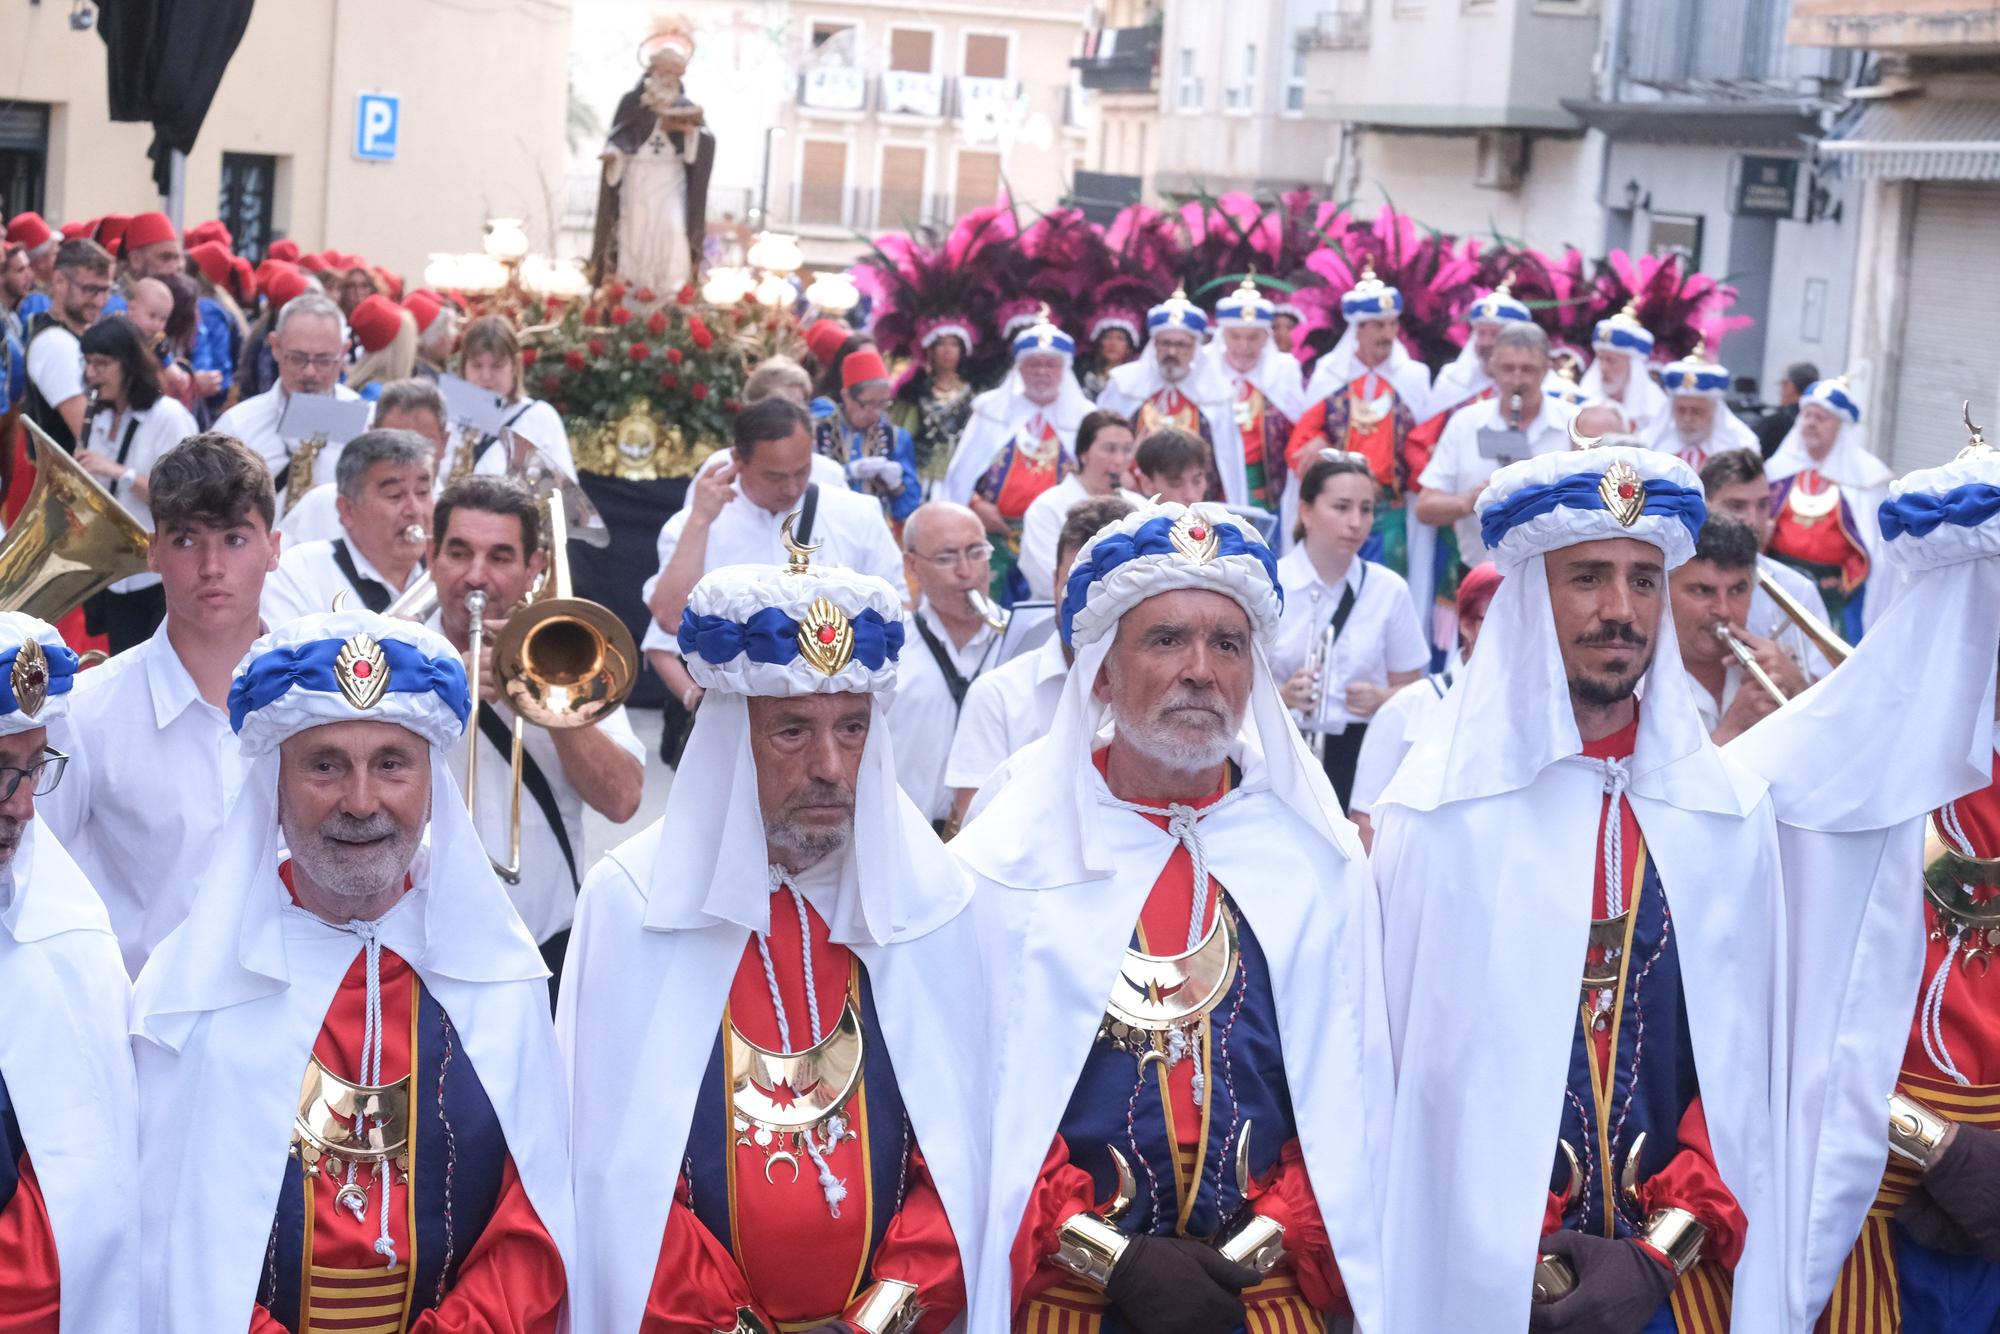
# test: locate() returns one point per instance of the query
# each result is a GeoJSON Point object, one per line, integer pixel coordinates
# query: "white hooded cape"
{"type": "Point", "coordinates": [1062, 879]}
{"type": "Point", "coordinates": [1210, 389]}
{"type": "Point", "coordinates": [225, 1016]}
{"type": "Point", "coordinates": [1729, 432]}
{"type": "Point", "coordinates": [69, 1074]}
{"type": "Point", "coordinates": [1644, 403]}
{"type": "Point", "coordinates": [1341, 367]}
{"type": "Point", "coordinates": [660, 930]}
{"type": "Point", "coordinates": [997, 416]}
{"type": "Point", "coordinates": [1864, 481]}
{"type": "Point", "coordinates": [1485, 852]}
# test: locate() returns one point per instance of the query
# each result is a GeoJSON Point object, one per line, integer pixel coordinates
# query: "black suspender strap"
{"type": "Point", "coordinates": [374, 594]}
{"type": "Point", "coordinates": [533, 779]}
{"type": "Point", "coordinates": [954, 681]}
{"type": "Point", "coordinates": [487, 442]}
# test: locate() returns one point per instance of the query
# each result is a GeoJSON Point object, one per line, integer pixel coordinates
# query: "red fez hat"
{"type": "Point", "coordinates": [242, 279]}
{"type": "Point", "coordinates": [212, 260]}
{"type": "Point", "coordinates": [77, 231]}
{"type": "Point", "coordinates": [212, 230]}
{"type": "Point", "coordinates": [391, 281]}
{"type": "Point", "coordinates": [375, 322]}
{"type": "Point", "coordinates": [286, 250]}
{"type": "Point", "coordinates": [1476, 590]}
{"type": "Point", "coordinates": [147, 229]}
{"type": "Point", "coordinates": [424, 308]}
{"type": "Point", "coordinates": [861, 367]}
{"type": "Point", "coordinates": [27, 229]}
{"type": "Point", "coordinates": [283, 282]}
{"type": "Point", "coordinates": [111, 230]}
{"type": "Point", "coordinates": [824, 338]}
{"type": "Point", "coordinates": [313, 263]}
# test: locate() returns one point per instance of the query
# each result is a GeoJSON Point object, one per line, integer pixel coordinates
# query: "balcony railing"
{"type": "Point", "coordinates": [1343, 29]}
{"type": "Point", "coordinates": [908, 93]}
{"type": "Point", "coordinates": [833, 88]}
{"type": "Point", "coordinates": [1120, 60]}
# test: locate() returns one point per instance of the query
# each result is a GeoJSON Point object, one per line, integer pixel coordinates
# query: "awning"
{"type": "Point", "coordinates": [1920, 139]}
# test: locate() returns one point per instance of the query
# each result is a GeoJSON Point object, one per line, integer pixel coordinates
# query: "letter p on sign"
{"type": "Point", "coordinates": [377, 117]}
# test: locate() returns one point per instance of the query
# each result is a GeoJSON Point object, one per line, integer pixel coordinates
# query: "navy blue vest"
{"type": "Point", "coordinates": [12, 1150]}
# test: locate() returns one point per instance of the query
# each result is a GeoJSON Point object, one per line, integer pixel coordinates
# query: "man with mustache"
{"type": "Point", "coordinates": [1171, 384]}
{"type": "Point", "coordinates": [779, 973]}
{"type": "Point", "coordinates": [69, 1225]}
{"type": "Point", "coordinates": [352, 1100]}
{"type": "Point", "coordinates": [1182, 948]}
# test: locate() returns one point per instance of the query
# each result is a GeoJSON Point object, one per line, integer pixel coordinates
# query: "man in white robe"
{"type": "Point", "coordinates": [1183, 1015]}
{"type": "Point", "coordinates": [1696, 422]}
{"type": "Point", "coordinates": [1171, 384]}
{"type": "Point", "coordinates": [1620, 348]}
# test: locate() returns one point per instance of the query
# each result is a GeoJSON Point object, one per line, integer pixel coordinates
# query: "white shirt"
{"type": "Point", "coordinates": [546, 896]}
{"type": "Point", "coordinates": [55, 364]}
{"type": "Point", "coordinates": [1708, 706]}
{"type": "Point", "coordinates": [1041, 532]}
{"type": "Point", "coordinates": [153, 432]}
{"type": "Point", "coordinates": [254, 421]}
{"type": "Point", "coordinates": [1388, 739]}
{"type": "Point", "coordinates": [1766, 620]}
{"type": "Point", "coordinates": [1381, 634]}
{"type": "Point", "coordinates": [1457, 466]}
{"type": "Point", "coordinates": [307, 580]}
{"type": "Point", "coordinates": [1008, 707]}
{"type": "Point", "coordinates": [851, 526]}
{"type": "Point", "coordinates": [922, 714]}
{"type": "Point", "coordinates": [533, 420]}
{"type": "Point", "coordinates": [153, 769]}
{"type": "Point", "coordinates": [316, 518]}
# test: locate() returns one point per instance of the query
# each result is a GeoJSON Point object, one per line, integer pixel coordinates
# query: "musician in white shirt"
{"type": "Point", "coordinates": [308, 342]}
{"type": "Point", "coordinates": [488, 538]}
{"type": "Point", "coordinates": [135, 422]}
{"type": "Point", "coordinates": [1713, 588]}
{"type": "Point", "coordinates": [1348, 638]}
{"type": "Point", "coordinates": [385, 509]}
{"type": "Point", "coordinates": [154, 762]}
{"type": "Point", "coordinates": [1733, 480]}
{"type": "Point", "coordinates": [489, 355]}
{"type": "Point", "coordinates": [405, 405]}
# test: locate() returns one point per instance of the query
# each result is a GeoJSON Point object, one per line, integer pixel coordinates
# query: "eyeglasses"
{"type": "Point", "coordinates": [298, 361]}
{"type": "Point", "coordinates": [952, 560]}
{"type": "Point", "coordinates": [91, 289]}
{"type": "Point", "coordinates": [44, 775]}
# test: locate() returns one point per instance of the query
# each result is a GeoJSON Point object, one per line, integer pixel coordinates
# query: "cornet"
{"type": "Point", "coordinates": [1747, 660]}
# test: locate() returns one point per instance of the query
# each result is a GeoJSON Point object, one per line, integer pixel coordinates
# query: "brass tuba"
{"type": "Point", "coordinates": [71, 540]}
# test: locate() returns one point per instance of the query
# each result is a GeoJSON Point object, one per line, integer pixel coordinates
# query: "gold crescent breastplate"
{"type": "Point", "coordinates": [781, 1100]}
{"type": "Point", "coordinates": [1155, 995]}
{"type": "Point", "coordinates": [1950, 877]}
{"type": "Point", "coordinates": [1812, 506]}
{"type": "Point", "coordinates": [325, 1141]}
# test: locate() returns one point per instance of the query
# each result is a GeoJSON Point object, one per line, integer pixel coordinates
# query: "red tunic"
{"type": "Point", "coordinates": [1286, 1195]}
{"type": "Point", "coordinates": [512, 1281]}
{"type": "Point", "coordinates": [791, 1261]}
{"type": "Point", "coordinates": [1820, 539]}
{"type": "Point", "coordinates": [1970, 1015]}
{"type": "Point", "coordinates": [1376, 442]}
{"type": "Point", "coordinates": [30, 1279]}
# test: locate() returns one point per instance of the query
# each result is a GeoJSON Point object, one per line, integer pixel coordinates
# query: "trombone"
{"type": "Point", "coordinates": [1747, 660]}
{"type": "Point", "coordinates": [1812, 627]}
{"type": "Point", "coordinates": [562, 662]}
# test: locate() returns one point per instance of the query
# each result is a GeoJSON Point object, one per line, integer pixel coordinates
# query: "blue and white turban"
{"type": "Point", "coordinates": [1499, 306]}
{"type": "Point", "coordinates": [1623, 333]}
{"type": "Point", "coordinates": [1245, 308]}
{"type": "Point", "coordinates": [1177, 313]}
{"type": "Point", "coordinates": [1695, 376]}
{"type": "Point", "coordinates": [1945, 515]}
{"type": "Point", "coordinates": [765, 630]}
{"type": "Point", "coordinates": [1162, 547]}
{"type": "Point", "coordinates": [1370, 297]}
{"type": "Point", "coordinates": [1043, 336]}
{"type": "Point", "coordinates": [1558, 500]}
{"type": "Point", "coordinates": [348, 666]}
{"type": "Point", "coordinates": [1835, 397]}
{"type": "Point", "coordinates": [36, 672]}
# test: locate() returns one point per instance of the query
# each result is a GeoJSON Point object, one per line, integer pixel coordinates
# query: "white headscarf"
{"type": "Point", "coordinates": [1276, 374]}
{"type": "Point", "coordinates": [998, 415]}
{"type": "Point", "coordinates": [1207, 385]}
{"type": "Point", "coordinates": [1848, 463]}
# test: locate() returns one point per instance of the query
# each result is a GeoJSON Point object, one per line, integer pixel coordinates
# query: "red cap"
{"type": "Point", "coordinates": [283, 282]}
{"type": "Point", "coordinates": [1476, 590]}
{"type": "Point", "coordinates": [375, 322]}
{"type": "Point", "coordinates": [861, 367]}
{"type": "Point", "coordinates": [242, 279]}
{"type": "Point", "coordinates": [212, 230]}
{"type": "Point", "coordinates": [27, 229]}
{"type": "Point", "coordinates": [389, 280]}
{"type": "Point", "coordinates": [823, 340]}
{"type": "Point", "coordinates": [77, 231]}
{"type": "Point", "coordinates": [148, 229]}
{"type": "Point", "coordinates": [111, 228]}
{"type": "Point", "coordinates": [424, 307]}
{"type": "Point", "coordinates": [286, 250]}
{"type": "Point", "coordinates": [212, 260]}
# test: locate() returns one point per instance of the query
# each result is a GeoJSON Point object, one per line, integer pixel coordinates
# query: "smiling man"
{"type": "Point", "coordinates": [353, 1090]}
{"type": "Point", "coordinates": [383, 502]}
{"type": "Point", "coordinates": [1182, 946]}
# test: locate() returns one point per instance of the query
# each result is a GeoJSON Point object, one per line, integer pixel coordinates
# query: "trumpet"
{"type": "Point", "coordinates": [475, 613]}
{"type": "Point", "coordinates": [416, 535]}
{"type": "Point", "coordinates": [299, 471]}
{"type": "Point", "coordinates": [1316, 711]}
{"type": "Point", "coordinates": [1747, 660]}
{"type": "Point", "coordinates": [1812, 627]}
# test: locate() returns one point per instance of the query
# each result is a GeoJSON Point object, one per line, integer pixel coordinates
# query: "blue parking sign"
{"type": "Point", "coordinates": [377, 117]}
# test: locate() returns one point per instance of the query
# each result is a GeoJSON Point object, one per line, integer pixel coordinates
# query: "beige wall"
{"type": "Point", "coordinates": [482, 120]}
{"type": "Point", "coordinates": [1430, 178]}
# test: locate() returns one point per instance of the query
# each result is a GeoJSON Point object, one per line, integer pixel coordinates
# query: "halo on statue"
{"type": "Point", "coordinates": [668, 34]}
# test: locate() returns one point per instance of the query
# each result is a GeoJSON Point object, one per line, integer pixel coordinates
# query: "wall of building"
{"type": "Point", "coordinates": [482, 118]}
{"type": "Point", "coordinates": [1430, 177]}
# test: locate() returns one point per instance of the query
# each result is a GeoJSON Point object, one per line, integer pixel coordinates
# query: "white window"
{"type": "Point", "coordinates": [1190, 82]}
{"type": "Point", "coordinates": [1295, 80]}
{"type": "Point", "coordinates": [1242, 95]}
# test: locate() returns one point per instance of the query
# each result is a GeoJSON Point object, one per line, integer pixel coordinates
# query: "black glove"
{"type": "Point", "coordinates": [1170, 1285]}
{"type": "Point", "coordinates": [1956, 1207]}
{"type": "Point", "coordinates": [1619, 1286]}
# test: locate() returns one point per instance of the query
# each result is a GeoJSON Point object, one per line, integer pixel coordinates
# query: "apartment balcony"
{"type": "Point", "coordinates": [909, 93]}
{"type": "Point", "coordinates": [1927, 26]}
{"type": "Point", "coordinates": [1345, 28]}
{"type": "Point", "coordinates": [841, 89]}
{"type": "Point", "coordinates": [1120, 60]}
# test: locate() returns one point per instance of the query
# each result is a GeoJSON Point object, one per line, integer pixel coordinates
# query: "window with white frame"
{"type": "Point", "coordinates": [1295, 80]}
{"type": "Point", "coordinates": [1189, 97]}
{"type": "Point", "coordinates": [1242, 94]}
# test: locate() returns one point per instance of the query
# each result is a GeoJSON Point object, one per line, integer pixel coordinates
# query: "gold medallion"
{"type": "Point", "coordinates": [30, 678]}
{"type": "Point", "coordinates": [1623, 492]}
{"type": "Point", "coordinates": [826, 637]}
{"type": "Point", "coordinates": [362, 672]}
{"type": "Point", "coordinates": [1194, 537]}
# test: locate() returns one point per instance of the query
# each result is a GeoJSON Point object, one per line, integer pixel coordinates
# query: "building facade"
{"type": "Point", "coordinates": [474, 127]}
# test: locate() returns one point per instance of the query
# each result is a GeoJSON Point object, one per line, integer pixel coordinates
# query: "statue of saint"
{"type": "Point", "coordinates": [652, 204]}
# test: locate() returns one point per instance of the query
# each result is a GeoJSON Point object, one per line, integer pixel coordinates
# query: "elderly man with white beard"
{"type": "Point", "coordinates": [351, 1090]}
{"type": "Point", "coordinates": [69, 1219]}
{"type": "Point", "coordinates": [1170, 383]}
{"type": "Point", "coordinates": [1184, 1013]}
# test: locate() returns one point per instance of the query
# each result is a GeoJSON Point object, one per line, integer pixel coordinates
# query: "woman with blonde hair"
{"type": "Point", "coordinates": [489, 356]}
